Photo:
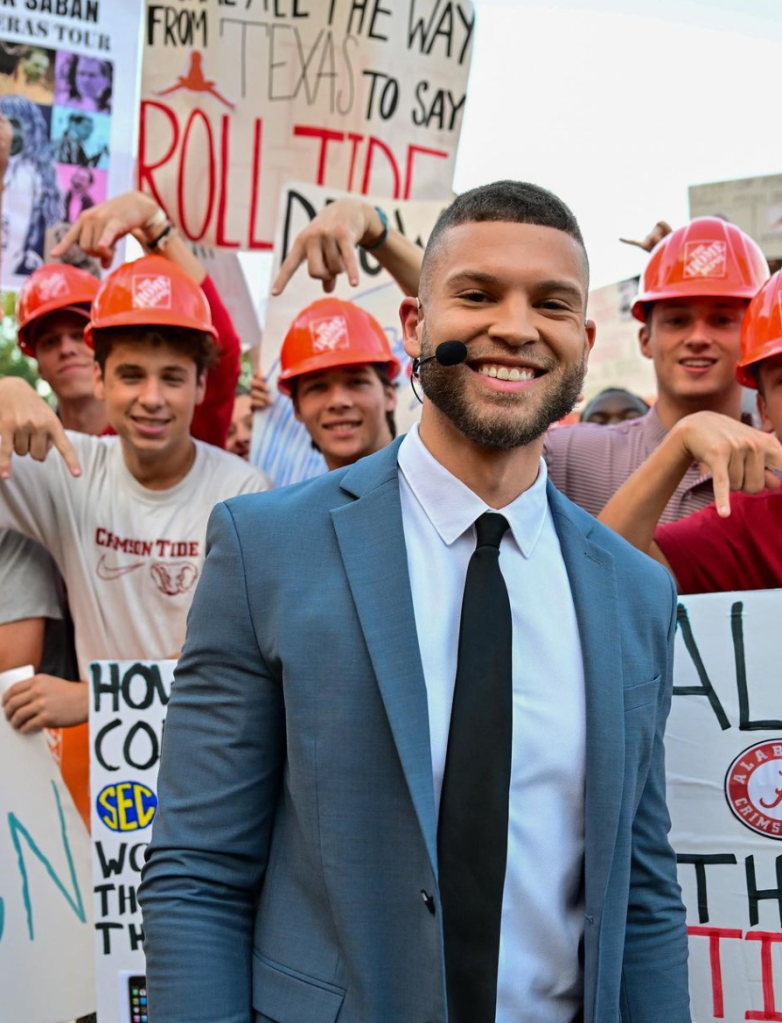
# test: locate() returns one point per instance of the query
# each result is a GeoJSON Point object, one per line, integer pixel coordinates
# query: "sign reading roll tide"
{"type": "Point", "coordinates": [127, 712]}
{"type": "Point", "coordinates": [238, 98]}
{"type": "Point", "coordinates": [724, 773]}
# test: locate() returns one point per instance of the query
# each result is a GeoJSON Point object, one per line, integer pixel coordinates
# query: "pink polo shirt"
{"type": "Point", "coordinates": [589, 463]}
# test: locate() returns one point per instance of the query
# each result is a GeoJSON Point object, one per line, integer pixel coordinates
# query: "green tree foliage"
{"type": "Point", "coordinates": [13, 362]}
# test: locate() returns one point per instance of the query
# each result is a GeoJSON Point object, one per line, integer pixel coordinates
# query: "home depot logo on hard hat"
{"type": "Point", "coordinates": [151, 291]}
{"type": "Point", "coordinates": [329, 334]}
{"type": "Point", "coordinates": [705, 259]}
{"type": "Point", "coordinates": [52, 287]}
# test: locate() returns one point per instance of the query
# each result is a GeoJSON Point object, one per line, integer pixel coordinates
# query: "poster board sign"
{"type": "Point", "coordinates": [127, 712]}
{"type": "Point", "coordinates": [239, 98]}
{"type": "Point", "coordinates": [45, 911]}
{"type": "Point", "coordinates": [68, 74]}
{"type": "Point", "coordinates": [753, 204]}
{"type": "Point", "coordinates": [724, 771]}
{"type": "Point", "coordinates": [616, 359]}
{"type": "Point", "coordinates": [281, 446]}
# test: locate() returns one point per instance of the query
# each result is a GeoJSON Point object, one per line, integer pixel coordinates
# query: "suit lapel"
{"type": "Point", "coordinates": [372, 543]}
{"type": "Point", "coordinates": [592, 577]}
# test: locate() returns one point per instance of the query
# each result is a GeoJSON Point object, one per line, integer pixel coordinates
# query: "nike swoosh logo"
{"type": "Point", "coordinates": [111, 572]}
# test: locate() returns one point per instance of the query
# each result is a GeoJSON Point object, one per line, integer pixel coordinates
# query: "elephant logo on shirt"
{"type": "Point", "coordinates": [174, 577]}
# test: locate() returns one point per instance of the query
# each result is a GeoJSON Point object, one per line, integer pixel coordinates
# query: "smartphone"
{"type": "Point", "coordinates": [137, 999]}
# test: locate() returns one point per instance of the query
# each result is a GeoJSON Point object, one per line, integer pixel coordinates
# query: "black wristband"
{"type": "Point", "coordinates": [152, 246]}
{"type": "Point", "coordinates": [382, 239]}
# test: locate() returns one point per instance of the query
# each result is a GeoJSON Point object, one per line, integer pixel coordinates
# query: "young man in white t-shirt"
{"type": "Point", "coordinates": [124, 517]}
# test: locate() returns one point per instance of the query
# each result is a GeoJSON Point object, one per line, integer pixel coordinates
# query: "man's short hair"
{"type": "Point", "coordinates": [514, 202]}
{"type": "Point", "coordinates": [195, 343]}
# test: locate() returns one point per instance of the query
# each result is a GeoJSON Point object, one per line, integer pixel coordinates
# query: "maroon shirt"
{"type": "Point", "coordinates": [588, 463]}
{"type": "Point", "coordinates": [709, 554]}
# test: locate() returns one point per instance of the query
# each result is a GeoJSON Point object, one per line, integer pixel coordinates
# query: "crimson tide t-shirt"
{"type": "Point", "coordinates": [709, 554]}
{"type": "Point", "coordinates": [130, 556]}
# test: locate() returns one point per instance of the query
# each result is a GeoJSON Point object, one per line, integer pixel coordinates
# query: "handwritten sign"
{"type": "Point", "coordinates": [68, 88]}
{"type": "Point", "coordinates": [127, 712]}
{"type": "Point", "coordinates": [239, 98]}
{"type": "Point", "coordinates": [46, 963]}
{"type": "Point", "coordinates": [281, 445]}
{"type": "Point", "coordinates": [724, 769]}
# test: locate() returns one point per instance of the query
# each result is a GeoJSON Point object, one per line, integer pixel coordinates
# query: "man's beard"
{"type": "Point", "coordinates": [502, 429]}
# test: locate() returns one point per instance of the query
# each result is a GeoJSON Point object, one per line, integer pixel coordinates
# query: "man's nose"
{"type": "Point", "coordinates": [340, 397]}
{"type": "Point", "coordinates": [699, 334]}
{"type": "Point", "coordinates": [514, 323]}
{"type": "Point", "coordinates": [151, 395]}
{"type": "Point", "coordinates": [69, 344]}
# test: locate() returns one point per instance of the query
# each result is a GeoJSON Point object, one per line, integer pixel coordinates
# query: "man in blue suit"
{"type": "Point", "coordinates": [413, 766]}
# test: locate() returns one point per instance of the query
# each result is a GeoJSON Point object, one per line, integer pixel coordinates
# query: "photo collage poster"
{"type": "Point", "coordinates": [67, 90]}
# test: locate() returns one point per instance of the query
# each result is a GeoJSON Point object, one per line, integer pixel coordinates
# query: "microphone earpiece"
{"type": "Point", "coordinates": [448, 353]}
{"type": "Point", "coordinates": [451, 353]}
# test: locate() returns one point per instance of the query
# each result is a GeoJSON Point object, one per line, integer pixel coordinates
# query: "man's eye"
{"type": "Point", "coordinates": [474, 296]}
{"type": "Point", "coordinates": [556, 304]}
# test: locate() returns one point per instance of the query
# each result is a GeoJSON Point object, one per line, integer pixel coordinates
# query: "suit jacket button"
{"type": "Point", "coordinates": [428, 901]}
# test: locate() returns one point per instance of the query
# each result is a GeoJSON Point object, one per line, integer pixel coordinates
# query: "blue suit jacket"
{"type": "Point", "coordinates": [296, 831]}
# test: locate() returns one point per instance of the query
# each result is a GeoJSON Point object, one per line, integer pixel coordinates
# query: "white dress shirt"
{"type": "Point", "coordinates": [540, 980]}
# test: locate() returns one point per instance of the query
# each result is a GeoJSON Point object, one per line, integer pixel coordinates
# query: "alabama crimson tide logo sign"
{"type": "Point", "coordinates": [705, 259]}
{"type": "Point", "coordinates": [753, 788]}
{"type": "Point", "coordinates": [151, 291]}
{"type": "Point", "coordinates": [329, 334]}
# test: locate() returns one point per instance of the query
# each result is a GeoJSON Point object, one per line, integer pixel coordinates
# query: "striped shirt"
{"type": "Point", "coordinates": [589, 463]}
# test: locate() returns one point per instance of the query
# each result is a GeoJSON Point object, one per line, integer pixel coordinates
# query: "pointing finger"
{"type": "Point", "coordinates": [70, 236]}
{"type": "Point", "coordinates": [64, 446]}
{"type": "Point", "coordinates": [289, 267]}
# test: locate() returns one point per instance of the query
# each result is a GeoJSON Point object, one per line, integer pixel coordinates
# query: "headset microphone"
{"type": "Point", "coordinates": [448, 353]}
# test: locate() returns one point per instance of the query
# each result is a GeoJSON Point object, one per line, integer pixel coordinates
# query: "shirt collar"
{"type": "Point", "coordinates": [452, 507]}
{"type": "Point", "coordinates": [653, 427]}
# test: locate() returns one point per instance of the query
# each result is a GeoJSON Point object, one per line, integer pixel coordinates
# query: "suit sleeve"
{"type": "Point", "coordinates": [220, 774]}
{"type": "Point", "coordinates": [654, 975]}
{"type": "Point", "coordinates": [212, 418]}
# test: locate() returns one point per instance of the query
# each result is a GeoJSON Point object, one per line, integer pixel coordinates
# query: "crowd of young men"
{"type": "Point", "coordinates": [110, 531]}
{"type": "Point", "coordinates": [693, 296]}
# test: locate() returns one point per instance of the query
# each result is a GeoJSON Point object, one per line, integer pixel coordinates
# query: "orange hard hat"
{"type": "Point", "coordinates": [331, 333]}
{"type": "Point", "coordinates": [150, 292]}
{"type": "Point", "coordinates": [707, 258]}
{"type": "Point", "coordinates": [51, 288]}
{"type": "Point", "coordinates": [761, 329]}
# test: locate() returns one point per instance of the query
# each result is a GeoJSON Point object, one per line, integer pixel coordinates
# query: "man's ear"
{"type": "Point", "coordinates": [410, 318]}
{"type": "Point", "coordinates": [644, 341]}
{"type": "Point", "coordinates": [765, 423]}
{"type": "Point", "coordinates": [97, 381]}
{"type": "Point", "coordinates": [590, 329]}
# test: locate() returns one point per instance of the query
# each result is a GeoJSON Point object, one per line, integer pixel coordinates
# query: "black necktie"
{"type": "Point", "coordinates": [472, 837]}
